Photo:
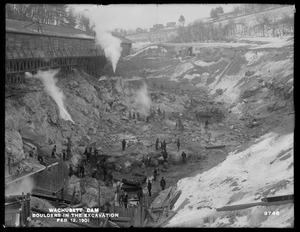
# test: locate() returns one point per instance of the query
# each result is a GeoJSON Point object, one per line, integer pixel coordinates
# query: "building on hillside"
{"type": "Point", "coordinates": [126, 45]}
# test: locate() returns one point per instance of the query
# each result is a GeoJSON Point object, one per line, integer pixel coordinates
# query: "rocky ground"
{"type": "Point", "coordinates": [249, 88]}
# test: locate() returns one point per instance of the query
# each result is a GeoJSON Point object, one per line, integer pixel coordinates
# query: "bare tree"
{"type": "Point", "coordinates": [263, 20]}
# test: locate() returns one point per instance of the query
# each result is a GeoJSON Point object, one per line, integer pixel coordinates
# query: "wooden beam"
{"type": "Point", "coordinates": [249, 205]}
{"type": "Point", "coordinates": [215, 147]}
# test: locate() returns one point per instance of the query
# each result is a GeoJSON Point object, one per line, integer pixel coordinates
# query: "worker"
{"type": "Point", "coordinates": [86, 153]}
{"type": "Point", "coordinates": [156, 144]}
{"type": "Point", "coordinates": [91, 152]}
{"type": "Point", "coordinates": [147, 119]}
{"type": "Point", "coordinates": [179, 124]}
{"type": "Point", "coordinates": [64, 155]}
{"type": "Point", "coordinates": [116, 198]}
{"type": "Point", "coordinates": [155, 174]}
{"type": "Point", "coordinates": [53, 153]}
{"type": "Point", "coordinates": [19, 169]}
{"type": "Point", "coordinates": [138, 116]}
{"type": "Point", "coordinates": [82, 170]}
{"type": "Point", "coordinates": [148, 161]}
{"type": "Point", "coordinates": [41, 159]}
{"type": "Point", "coordinates": [178, 144]}
{"type": "Point", "coordinates": [32, 152]}
{"type": "Point", "coordinates": [162, 183]}
{"type": "Point", "coordinates": [129, 114]}
{"type": "Point", "coordinates": [183, 155]}
{"type": "Point", "coordinates": [164, 114]}
{"type": "Point", "coordinates": [165, 155]}
{"type": "Point", "coordinates": [162, 145]}
{"type": "Point", "coordinates": [133, 115]}
{"type": "Point", "coordinates": [165, 146]}
{"type": "Point", "coordinates": [158, 111]}
{"type": "Point", "coordinates": [84, 159]}
{"type": "Point", "coordinates": [109, 178]}
{"type": "Point", "coordinates": [140, 195]}
{"type": "Point", "coordinates": [121, 197]}
{"type": "Point", "coordinates": [123, 145]}
{"type": "Point", "coordinates": [8, 163]}
{"type": "Point", "coordinates": [206, 124]}
{"type": "Point", "coordinates": [125, 200]}
{"type": "Point", "coordinates": [149, 186]}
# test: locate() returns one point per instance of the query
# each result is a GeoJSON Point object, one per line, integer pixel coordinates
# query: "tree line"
{"type": "Point", "coordinates": [58, 14]}
{"type": "Point", "coordinates": [54, 14]}
{"type": "Point", "coordinates": [264, 25]}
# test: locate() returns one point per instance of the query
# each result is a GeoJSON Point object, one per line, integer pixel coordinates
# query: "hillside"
{"type": "Point", "coordinates": [241, 22]}
{"type": "Point", "coordinates": [252, 82]}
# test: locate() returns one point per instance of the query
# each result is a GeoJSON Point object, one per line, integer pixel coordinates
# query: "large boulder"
{"type": "Point", "coordinates": [127, 166]}
{"type": "Point", "coordinates": [154, 162]}
{"type": "Point", "coordinates": [91, 197]}
{"type": "Point", "coordinates": [74, 185]}
{"type": "Point", "coordinates": [14, 145]}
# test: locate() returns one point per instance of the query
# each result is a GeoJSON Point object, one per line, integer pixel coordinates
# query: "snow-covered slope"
{"type": "Point", "coordinates": [264, 169]}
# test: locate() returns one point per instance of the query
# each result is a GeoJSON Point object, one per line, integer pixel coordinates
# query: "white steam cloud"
{"type": "Point", "coordinates": [49, 82]}
{"type": "Point", "coordinates": [110, 44]}
{"type": "Point", "coordinates": [26, 186]}
{"type": "Point", "coordinates": [143, 100]}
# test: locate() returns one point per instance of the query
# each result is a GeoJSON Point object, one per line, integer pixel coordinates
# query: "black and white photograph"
{"type": "Point", "coordinates": [149, 115]}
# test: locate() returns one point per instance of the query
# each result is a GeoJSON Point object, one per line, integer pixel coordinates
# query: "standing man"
{"type": "Point", "coordinates": [206, 124]}
{"type": "Point", "coordinates": [178, 144]}
{"type": "Point", "coordinates": [162, 183]}
{"type": "Point", "coordinates": [165, 146]}
{"type": "Point", "coordinates": [123, 145]}
{"type": "Point", "coordinates": [133, 116]}
{"type": "Point", "coordinates": [53, 153]}
{"type": "Point", "coordinates": [121, 197]}
{"type": "Point", "coordinates": [129, 114]}
{"type": "Point", "coordinates": [149, 186]}
{"type": "Point", "coordinates": [138, 116]}
{"type": "Point", "coordinates": [165, 156]}
{"type": "Point", "coordinates": [64, 155]}
{"type": "Point", "coordinates": [156, 144]}
{"type": "Point", "coordinates": [183, 155]}
{"type": "Point", "coordinates": [9, 163]}
{"type": "Point", "coordinates": [140, 195]}
{"type": "Point", "coordinates": [125, 200]}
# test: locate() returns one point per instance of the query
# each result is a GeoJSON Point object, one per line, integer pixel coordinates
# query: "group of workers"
{"type": "Point", "coordinates": [162, 185]}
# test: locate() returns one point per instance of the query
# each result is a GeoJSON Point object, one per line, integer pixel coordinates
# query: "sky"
{"type": "Point", "coordinates": [131, 16]}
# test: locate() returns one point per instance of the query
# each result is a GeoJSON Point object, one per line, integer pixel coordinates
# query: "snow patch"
{"type": "Point", "coordinates": [144, 49]}
{"type": "Point", "coordinates": [202, 63]}
{"type": "Point", "coordinates": [253, 57]}
{"type": "Point", "coordinates": [251, 172]}
{"type": "Point", "coordinates": [191, 77]}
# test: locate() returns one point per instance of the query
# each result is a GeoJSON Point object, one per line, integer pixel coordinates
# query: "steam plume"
{"type": "Point", "coordinates": [143, 100]}
{"type": "Point", "coordinates": [26, 186]}
{"type": "Point", "coordinates": [110, 44]}
{"type": "Point", "coordinates": [49, 82]}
